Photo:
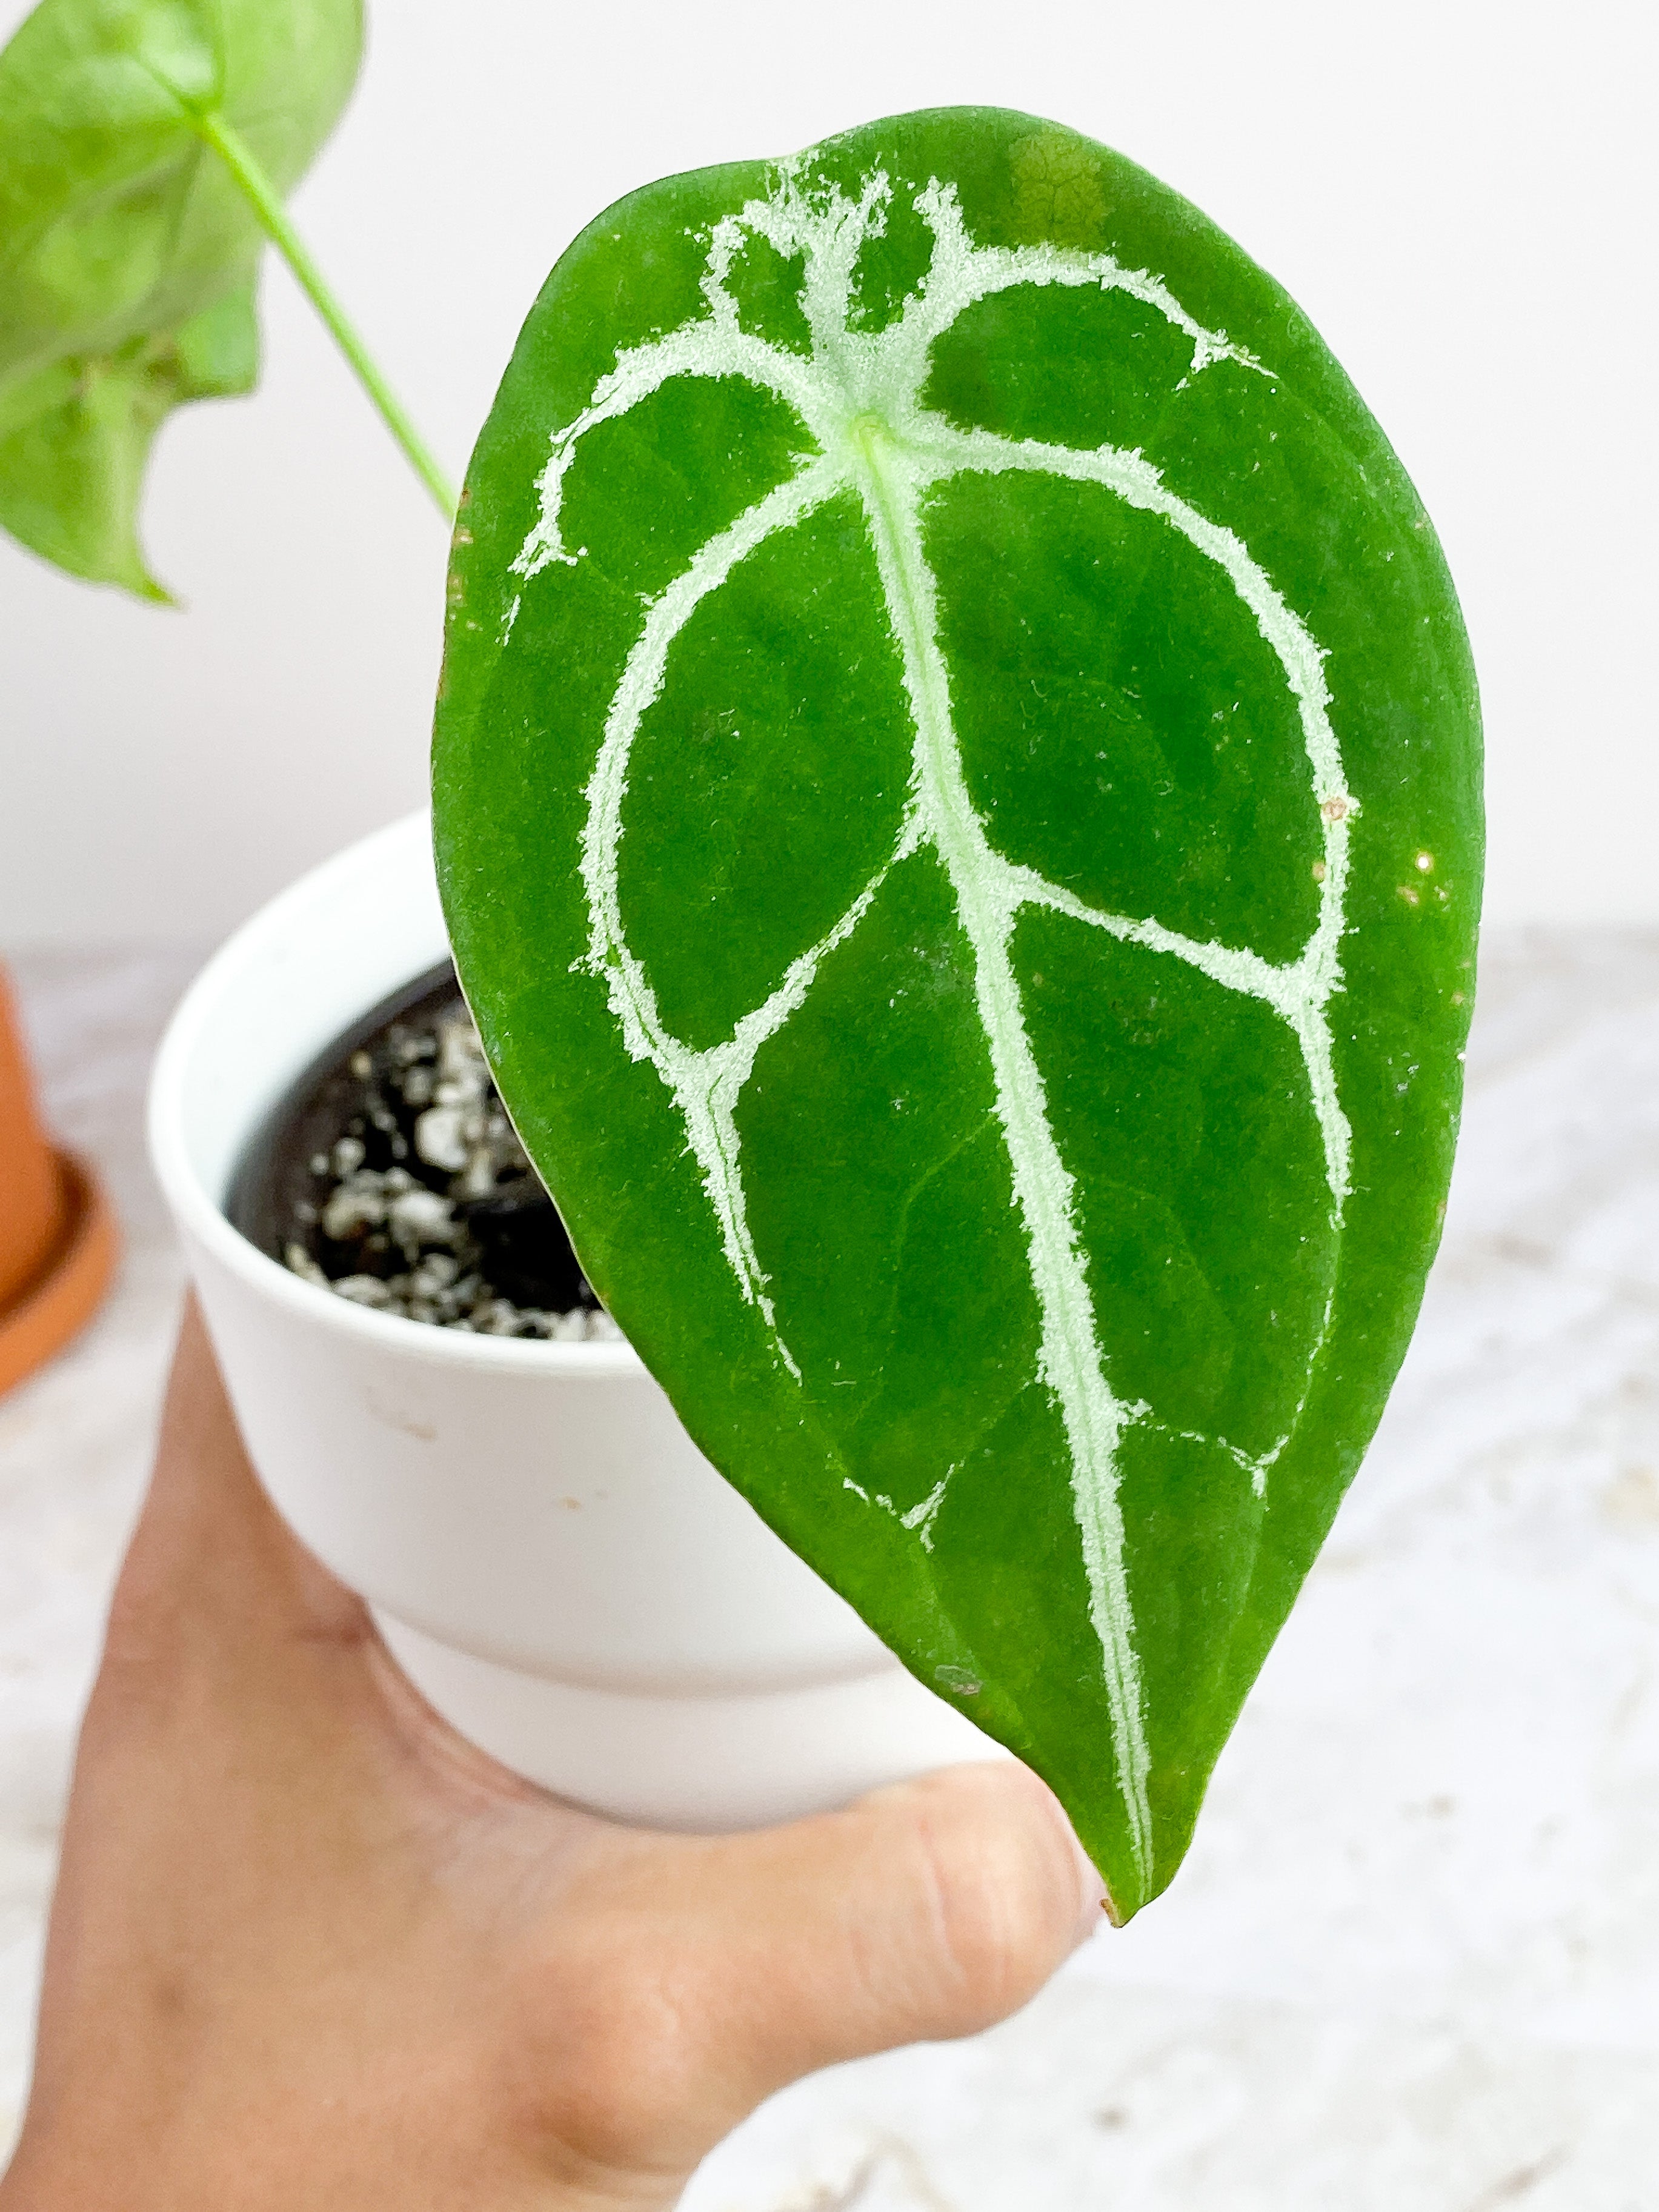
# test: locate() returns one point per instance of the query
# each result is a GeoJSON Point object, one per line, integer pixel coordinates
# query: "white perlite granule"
{"type": "Point", "coordinates": [436, 1073]}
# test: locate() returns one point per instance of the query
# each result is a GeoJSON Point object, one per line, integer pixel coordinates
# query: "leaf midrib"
{"type": "Point", "coordinates": [1094, 1417]}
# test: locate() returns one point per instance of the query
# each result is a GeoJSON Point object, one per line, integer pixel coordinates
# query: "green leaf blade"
{"type": "Point", "coordinates": [1098, 660]}
{"type": "Point", "coordinates": [995, 1038]}
{"type": "Point", "coordinates": [771, 851]}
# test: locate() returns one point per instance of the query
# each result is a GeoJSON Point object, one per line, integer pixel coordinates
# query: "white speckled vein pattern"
{"type": "Point", "coordinates": [858, 397]}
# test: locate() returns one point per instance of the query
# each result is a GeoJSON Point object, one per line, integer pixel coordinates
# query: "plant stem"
{"type": "Point", "coordinates": [262, 197]}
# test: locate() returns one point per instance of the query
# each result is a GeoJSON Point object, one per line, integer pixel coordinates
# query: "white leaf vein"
{"type": "Point", "coordinates": [858, 400]}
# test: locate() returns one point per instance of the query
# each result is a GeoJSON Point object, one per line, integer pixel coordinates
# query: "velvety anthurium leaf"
{"type": "Point", "coordinates": [127, 250]}
{"type": "Point", "coordinates": [958, 801]}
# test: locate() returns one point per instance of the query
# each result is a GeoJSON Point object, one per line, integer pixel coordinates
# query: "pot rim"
{"type": "Point", "coordinates": [201, 1211]}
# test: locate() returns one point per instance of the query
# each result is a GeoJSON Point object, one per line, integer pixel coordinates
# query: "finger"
{"type": "Point", "coordinates": [735, 1965]}
{"type": "Point", "coordinates": [930, 1909]}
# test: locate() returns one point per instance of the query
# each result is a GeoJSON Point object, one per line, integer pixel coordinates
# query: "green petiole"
{"type": "Point", "coordinates": [257, 189]}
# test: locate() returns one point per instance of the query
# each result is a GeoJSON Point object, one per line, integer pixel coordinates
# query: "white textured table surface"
{"type": "Point", "coordinates": [1412, 1963]}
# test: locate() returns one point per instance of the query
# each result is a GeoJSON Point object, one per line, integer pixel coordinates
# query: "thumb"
{"type": "Point", "coordinates": [927, 1909]}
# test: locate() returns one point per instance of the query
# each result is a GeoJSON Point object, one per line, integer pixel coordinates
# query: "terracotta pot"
{"type": "Point", "coordinates": [57, 1240]}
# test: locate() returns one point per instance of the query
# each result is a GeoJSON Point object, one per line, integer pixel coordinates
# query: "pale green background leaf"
{"type": "Point", "coordinates": [127, 252]}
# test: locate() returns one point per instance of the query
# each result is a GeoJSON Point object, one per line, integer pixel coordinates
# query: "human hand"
{"type": "Point", "coordinates": [310, 1949]}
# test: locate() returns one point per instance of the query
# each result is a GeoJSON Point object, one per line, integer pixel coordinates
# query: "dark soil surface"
{"type": "Point", "coordinates": [392, 1175]}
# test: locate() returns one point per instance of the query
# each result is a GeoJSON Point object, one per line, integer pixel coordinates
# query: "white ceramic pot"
{"type": "Point", "coordinates": [551, 1558]}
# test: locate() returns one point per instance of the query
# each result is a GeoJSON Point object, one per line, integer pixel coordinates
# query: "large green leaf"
{"type": "Point", "coordinates": [958, 801]}
{"type": "Point", "coordinates": [127, 251]}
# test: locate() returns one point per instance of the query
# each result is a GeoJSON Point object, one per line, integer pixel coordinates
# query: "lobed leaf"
{"type": "Point", "coordinates": [127, 252]}
{"type": "Point", "coordinates": [956, 785]}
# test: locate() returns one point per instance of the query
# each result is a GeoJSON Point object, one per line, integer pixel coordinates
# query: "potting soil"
{"type": "Point", "coordinates": [395, 1179]}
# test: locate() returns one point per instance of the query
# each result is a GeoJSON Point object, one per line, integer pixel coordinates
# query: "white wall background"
{"type": "Point", "coordinates": [1460, 192]}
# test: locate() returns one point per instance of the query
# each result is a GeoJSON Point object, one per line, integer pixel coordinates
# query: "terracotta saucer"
{"type": "Point", "coordinates": [61, 1297]}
